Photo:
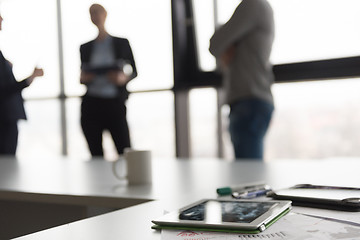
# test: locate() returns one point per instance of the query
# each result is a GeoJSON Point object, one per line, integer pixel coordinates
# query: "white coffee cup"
{"type": "Point", "coordinates": [137, 164]}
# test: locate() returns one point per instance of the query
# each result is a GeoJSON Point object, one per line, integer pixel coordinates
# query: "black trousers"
{"type": "Point", "coordinates": [99, 114]}
{"type": "Point", "coordinates": [8, 137]}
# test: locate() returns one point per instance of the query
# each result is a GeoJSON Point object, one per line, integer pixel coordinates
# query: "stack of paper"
{"type": "Point", "coordinates": [294, 226]}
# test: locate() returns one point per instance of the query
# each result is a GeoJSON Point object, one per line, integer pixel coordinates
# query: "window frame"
{"type": "Point", "coordinates": [187, 73]}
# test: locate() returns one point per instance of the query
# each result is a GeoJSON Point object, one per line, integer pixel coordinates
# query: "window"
{"type": "Point", "coordinates": [41, 132]}
{"type": "Point", "coordinates": [151, 122]}
{"type": "Point", "coordinates": [203, 127]}
{"type": "Point", "coordinates": [311, 119]}
{"type": "Point", "coordinates": [305, 30]}
{"type": "Point", "coordinates": [314, 30]}
{"type": "Point", "coordinates": [204, 26]}
{"type": "Point", "coordinates": [151, 44]}
{"type": "Point", "coordinates": [29, 39]}
{"type": "Point", "coordinates": [150, 39]}
{"type": "Point", "coordinates": [315, 120]}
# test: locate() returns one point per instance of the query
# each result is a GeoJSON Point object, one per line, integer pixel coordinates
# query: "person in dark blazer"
{"type": "Point", "coordinates": [107, 65]}
{"type": "Point", "coordinates": [11, 104]}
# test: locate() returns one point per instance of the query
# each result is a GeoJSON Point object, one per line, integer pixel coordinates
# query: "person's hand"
{"type": "Point", "coordinates": [86, 77]}
{"type": "Point", "coordinates": [227, 57]}
{"type": "Point", "coordinates": [38, 72]}
{"type": "Point", "coordinates": [118, 77]}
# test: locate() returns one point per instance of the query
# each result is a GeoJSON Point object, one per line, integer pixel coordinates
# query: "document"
{"type": "Point", "coordinates": [352, 218]}
{"type": "Point", "coordinates": [293, 226]}
{"type": "Point", "coordinates": [320, 228]}
{"type": "Point", "coordinates": [198, 235]}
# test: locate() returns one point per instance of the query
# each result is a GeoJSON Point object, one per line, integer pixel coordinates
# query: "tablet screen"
{"type": "Point", "coordinates": [225, 211]}
{"type": "Point", "coordinates": [244, 215]}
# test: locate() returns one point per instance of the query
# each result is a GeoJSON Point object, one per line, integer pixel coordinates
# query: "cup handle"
{"type": "Point", "coordinates": [114, 168]}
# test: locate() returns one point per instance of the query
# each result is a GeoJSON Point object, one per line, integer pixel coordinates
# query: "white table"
{"type": "Point", "coordinates": [70, 185]}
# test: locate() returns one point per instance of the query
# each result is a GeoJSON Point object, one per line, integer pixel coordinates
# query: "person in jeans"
{"type": "Point", "coordinates": [242, 47]}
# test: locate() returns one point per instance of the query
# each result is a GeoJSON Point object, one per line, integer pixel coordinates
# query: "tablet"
{"type": "Point", "coordinates": [243, 216]}
{"type": "Point", "coordinates": [321, 196]}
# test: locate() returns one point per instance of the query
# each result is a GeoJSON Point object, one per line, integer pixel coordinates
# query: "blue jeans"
{"type": "Point", "coordinates": [249, 121]}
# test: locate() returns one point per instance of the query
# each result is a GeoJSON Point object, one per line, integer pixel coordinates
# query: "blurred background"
{"type": "Point", "coordinates": [312, 119]}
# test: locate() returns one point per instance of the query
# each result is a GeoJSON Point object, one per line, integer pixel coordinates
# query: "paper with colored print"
{"type": "Point", "coordinates": [291, 227]}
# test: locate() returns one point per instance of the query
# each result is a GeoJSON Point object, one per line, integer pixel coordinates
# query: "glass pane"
{"type": "Point", "coordinates": [204, 26]}
{"type": "Point", "coordinates": [311, 120]}
{"type": "Point", "coordinates": [203, 118]}
{"type": "Point", "coordinates": [225, 9]}
{"type": "Point", "coordinates": [315, 120]}
{"type": "Point", "coordinates": [151, 122]}
{"type": "Point", "coordinates": [311, 30]}
{"type": "Point", "coordinates": [29, 39]}
{"type": "Point", "coordinates": [41, 132]}
{"type": "Point", "coordinates": [150, 39]}
{"type": "Point", "coordinates": [305, 30]}
{"type": "Point", "coordinates": [228, 149]}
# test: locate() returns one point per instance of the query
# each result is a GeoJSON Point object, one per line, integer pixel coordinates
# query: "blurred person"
{"type": "Point", "coordinates": [11, 103]}
{"type": "Point", "coordinates": [107, 65]}
{"type": "Point", "coordinates": [242, 47]}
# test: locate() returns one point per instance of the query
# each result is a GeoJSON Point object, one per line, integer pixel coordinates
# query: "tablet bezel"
{"type": "Point", "coordinates": [172, 219]}
{"type": "Point", "coordinates": [298, 195]}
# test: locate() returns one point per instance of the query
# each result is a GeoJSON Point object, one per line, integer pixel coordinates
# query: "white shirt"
{"type": "Point", "coordinates": [102, 56]}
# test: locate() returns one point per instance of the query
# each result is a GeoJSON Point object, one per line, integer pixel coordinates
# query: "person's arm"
{"type": "Point", "coordinates": [131, 60]}
{"type": "Point", "coordinates": [85, 76]}
{"type": "Point", "coordinates": [38, 72]}
{"type": "Point", "coordinates": [7, 90]}
{"type": "Point", "coordinates": [227, 57]}
{"type": "Point", "coordinates": [241, 22]}
{"type": "Point", "coordinates": [119, 77]}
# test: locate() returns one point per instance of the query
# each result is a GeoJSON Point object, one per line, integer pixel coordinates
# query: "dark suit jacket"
{"type": "Point", "coordinates": [122, 50]}
{"type": "Point", "coordinates": [11, 101]}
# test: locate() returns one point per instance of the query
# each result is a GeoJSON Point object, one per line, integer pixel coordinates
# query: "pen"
{"type": "Point", "coordinates": [250, 194]}
{"type": "Point", "coordinates": [240, 188]}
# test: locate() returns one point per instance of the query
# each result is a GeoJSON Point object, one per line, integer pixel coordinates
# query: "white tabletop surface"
{"type": "Point", "coordinates": [175, 183]}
